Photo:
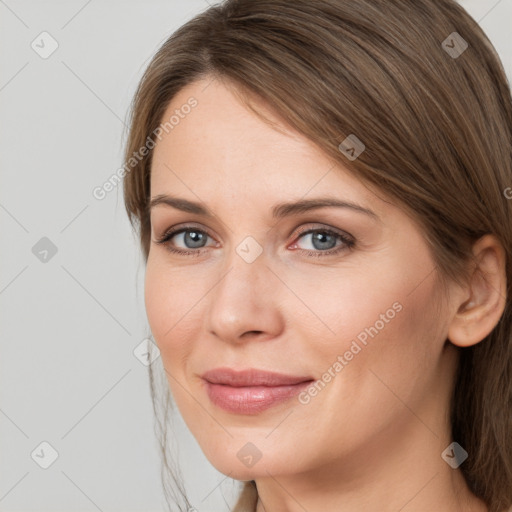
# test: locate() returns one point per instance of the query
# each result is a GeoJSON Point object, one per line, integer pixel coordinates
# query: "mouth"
{"type": "Point", "coordinates": [251, 391]}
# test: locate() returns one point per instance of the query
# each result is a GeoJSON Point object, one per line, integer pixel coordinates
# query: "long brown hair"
{"type": "Point", "coordinates": [421, 85]}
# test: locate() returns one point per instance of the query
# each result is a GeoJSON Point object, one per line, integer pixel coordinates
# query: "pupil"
{"type": "Point", "coordinates": [320, 238]}
{"type": "Point", "coordinates": [190, 235]}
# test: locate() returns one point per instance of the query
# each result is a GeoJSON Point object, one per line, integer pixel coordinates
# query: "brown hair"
{"type": "Point", "coordinates": [435, 117]}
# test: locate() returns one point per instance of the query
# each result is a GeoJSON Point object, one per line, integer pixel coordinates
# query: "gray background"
{"type": "Point", "coordinates": [70, 323]}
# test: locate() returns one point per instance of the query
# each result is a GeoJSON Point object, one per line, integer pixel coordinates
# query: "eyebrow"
{"type": "Point", "coordinates": [279, 210]}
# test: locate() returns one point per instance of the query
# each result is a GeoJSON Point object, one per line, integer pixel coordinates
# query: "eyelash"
{"type": "Point", "coordinates": [347, 241]}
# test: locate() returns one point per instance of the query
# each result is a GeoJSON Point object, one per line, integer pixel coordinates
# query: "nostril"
{"type": "Point", "coordinates": [251, 333]}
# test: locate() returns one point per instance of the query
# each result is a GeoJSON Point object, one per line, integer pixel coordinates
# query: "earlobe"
{"type": "Point", "coordinates": [485, 295]}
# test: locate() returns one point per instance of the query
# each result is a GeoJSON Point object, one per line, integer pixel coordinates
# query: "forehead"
{"type": "Point", "coordinates": [220, 147]}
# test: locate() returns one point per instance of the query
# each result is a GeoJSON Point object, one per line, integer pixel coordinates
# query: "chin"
{"type": "Point", "coordinates": [243, 460]}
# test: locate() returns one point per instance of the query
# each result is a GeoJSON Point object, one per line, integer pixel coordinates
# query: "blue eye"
{"type": "Point", "coordinates": [322, 241]}
{"type": "Point", "coordinates": [192, 236]}
{"type": "Point", "coordinates": [322, 237]}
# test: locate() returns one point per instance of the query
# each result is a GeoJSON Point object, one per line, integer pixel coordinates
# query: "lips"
{"type": "Point", "coordinates": [251, 391]}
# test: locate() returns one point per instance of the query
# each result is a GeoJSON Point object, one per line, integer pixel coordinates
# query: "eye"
{"type": "Point", "coordinates": [193, 238]}
{"type": "Point", "coordinates": [323, 241]}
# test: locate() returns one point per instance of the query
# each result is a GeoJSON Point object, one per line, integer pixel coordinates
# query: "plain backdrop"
{"type": "Point", "coordinates": [74, 395]}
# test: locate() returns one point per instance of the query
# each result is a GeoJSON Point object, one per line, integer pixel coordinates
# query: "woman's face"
{"type": "Point", "coordinates": [359, 315]}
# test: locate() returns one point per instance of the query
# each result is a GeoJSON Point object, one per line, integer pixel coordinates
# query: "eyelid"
{"type": "Point", "coordinates": [311, 226]}
{"type": "Point", "coordinates": [348, 242]}
{"type": "Point", "coordinates": [179, 228]}
{"type": "Point", "coordinates": [314, 226]}
{"type": "Point", "coordinates": [346, 238]}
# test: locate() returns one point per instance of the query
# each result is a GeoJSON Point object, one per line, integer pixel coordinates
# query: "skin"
{"type": "Point", "coordinates": [372, 438]}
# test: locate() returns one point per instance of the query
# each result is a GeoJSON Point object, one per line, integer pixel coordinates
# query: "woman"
{"type": "Point", "coordinates": [322, 195]}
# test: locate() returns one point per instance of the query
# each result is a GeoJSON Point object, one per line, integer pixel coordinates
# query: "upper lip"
{"type": "Point", "coordinates": [251, 377]}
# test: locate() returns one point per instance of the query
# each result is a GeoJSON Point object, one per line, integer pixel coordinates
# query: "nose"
{"type": "Point", "coordinates": [244, 303]}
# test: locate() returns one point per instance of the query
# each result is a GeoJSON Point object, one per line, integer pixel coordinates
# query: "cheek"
{"type": "Point", "coordinates": [343, 305]}
{"type": "Point", "coordinates": [393, 300]}
{"type": "Point", "coordinates": [169, 310]}
{"type": "Point", "coordinates": [390, 348]}
{"type": "Point", "coordinates": [383, 364]}
{"type": "Point", "coordinates": [158, 306]}
{"type": "Point", "coordinates": [379, 325]}
{"type": "Point", "coordinates": [166, 310]}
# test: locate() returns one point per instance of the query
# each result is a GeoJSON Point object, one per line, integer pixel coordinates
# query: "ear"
{"type": "Point", "coordinates": [481, 304]}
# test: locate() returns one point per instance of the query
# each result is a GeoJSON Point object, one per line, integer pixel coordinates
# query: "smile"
{"type": "Point", "coordinates": [251, 391]}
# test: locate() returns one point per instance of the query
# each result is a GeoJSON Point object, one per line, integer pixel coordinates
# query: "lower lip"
{"type": "Point", "coordinates": [251, 399]}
